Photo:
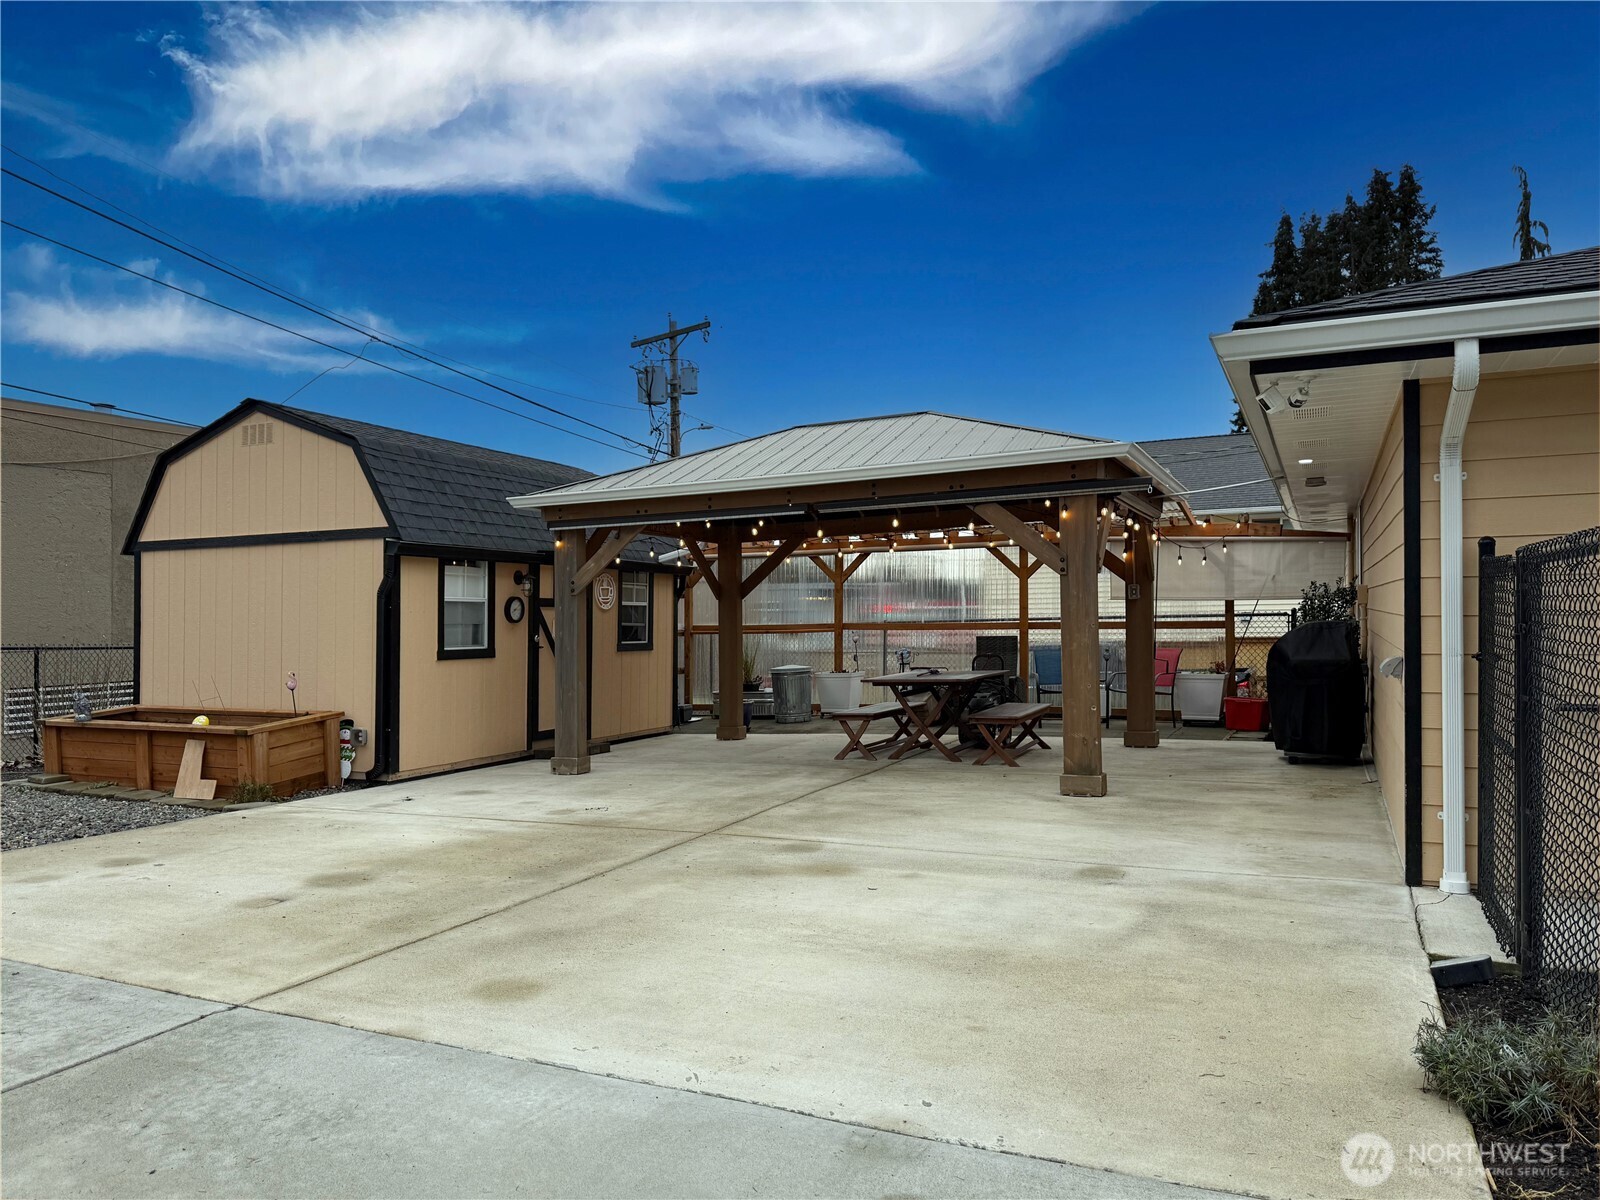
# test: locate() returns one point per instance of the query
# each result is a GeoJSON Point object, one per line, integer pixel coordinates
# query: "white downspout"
{"type": "Point", "coordinates": [1463, 389]}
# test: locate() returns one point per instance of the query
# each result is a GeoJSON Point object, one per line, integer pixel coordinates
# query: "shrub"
{"type": "Point", "coordinates": [1326, 602]}
{"type": "Point", "coordinates": [1524, 1078]}
{"type": "Point", "coordinates": [249, 791]}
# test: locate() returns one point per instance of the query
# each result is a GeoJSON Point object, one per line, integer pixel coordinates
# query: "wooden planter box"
{"type": "Point", "coordinates": [142, 746]}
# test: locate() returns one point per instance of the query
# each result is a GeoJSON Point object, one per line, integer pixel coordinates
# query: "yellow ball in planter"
{"type": "Point", "coordinates": [202, 719]}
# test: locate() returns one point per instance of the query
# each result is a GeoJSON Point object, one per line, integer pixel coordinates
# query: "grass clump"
{"type": "Point", "coordinates": [1525, 1077]}
{"type": "Point", "coordinates": [251, 791]}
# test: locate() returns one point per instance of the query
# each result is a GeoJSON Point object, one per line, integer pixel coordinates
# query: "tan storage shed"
{"type": "Point", "coordinates": [387, 571]}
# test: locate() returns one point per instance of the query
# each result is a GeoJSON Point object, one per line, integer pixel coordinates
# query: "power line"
{"type": "Point", "coordinates": [287, 291]}
{"type": "Point", "coordinates": [208, 260]}
{"type": "Point", "coordinates": [100, 404]}
{"type": "Point", "coordinates": [56, 175]}
{"type": "Point", "coordinates": [319, 342]}
{"type": "Point", "coordinates": [105, 437]}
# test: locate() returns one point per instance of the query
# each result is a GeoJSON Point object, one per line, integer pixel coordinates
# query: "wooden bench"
{"type": "Point", "coordinates": [1016, 725]}
{"type": "Point", "coordinates": [856, 721]}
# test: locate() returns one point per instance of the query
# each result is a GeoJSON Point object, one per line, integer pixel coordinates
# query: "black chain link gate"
{"type": "Point", "coordinates": [1539, 759]}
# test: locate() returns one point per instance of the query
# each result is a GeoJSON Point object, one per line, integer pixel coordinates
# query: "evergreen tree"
{"type": "Point", "coordinates": [1528, 246]}
{"type": "Point", "coordinates": [1384, 240]}
{"type": "Point", "coordinates": [1280, 282]}
{"type": "Point", "coordinates": [1237, 425]}
{"type": "Point", "coordinates": [1417, 255]}
{"type": "Point", "coordinates": [1321, 259]}
{"type": "Point", "coordinates": [1373, 236]}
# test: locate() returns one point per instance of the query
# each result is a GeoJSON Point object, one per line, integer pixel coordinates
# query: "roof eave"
{"type": "Point", "coordinates": [1412, 327]}
{"type": "Point", "coordinates": [1128, 453]}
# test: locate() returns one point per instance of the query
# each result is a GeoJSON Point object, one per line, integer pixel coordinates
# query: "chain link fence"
{"type": "Point", "coordinates": [43, 681]}
{"type": "Point", "coordinates": [1539, 756]}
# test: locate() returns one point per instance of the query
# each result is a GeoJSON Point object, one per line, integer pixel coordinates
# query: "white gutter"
{"type": "Point", "coordinates": [1463, 389]}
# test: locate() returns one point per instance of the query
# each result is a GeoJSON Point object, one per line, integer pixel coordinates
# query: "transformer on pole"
{"type": "Point", "coordinates": [679, 380]}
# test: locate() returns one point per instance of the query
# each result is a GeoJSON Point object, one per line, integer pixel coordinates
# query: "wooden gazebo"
{"type": "Point", "coordinates": [921, 476]}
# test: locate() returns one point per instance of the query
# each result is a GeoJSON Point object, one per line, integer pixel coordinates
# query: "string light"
{"type": "Point", "coordinates": [895, 524]}
{"type": "Point", "coordinates": [558, 543]}
{"type": "Point", "coordinates": [1047, 502]}
{"type": "Point", "coordinates": [1202, 558]}
{"type": "Point", "coordinates": [1224, 547]}
{"type": "Point", "coordinates": [1180, 556]}
{"type": "Point", "coordinates": [819, 533]}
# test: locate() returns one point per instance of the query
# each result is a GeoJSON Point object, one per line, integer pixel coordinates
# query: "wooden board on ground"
{"type": "Point", "coordinates": [190, 786]}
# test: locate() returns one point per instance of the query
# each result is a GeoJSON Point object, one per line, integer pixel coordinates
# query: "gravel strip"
{"type": "Point", "coordinates": [30, 817]}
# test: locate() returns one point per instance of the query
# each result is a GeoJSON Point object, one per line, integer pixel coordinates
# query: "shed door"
{"type": "Point", "coordinates": [542, 700]}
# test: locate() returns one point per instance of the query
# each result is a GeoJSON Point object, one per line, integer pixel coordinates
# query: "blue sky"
{"type": "Point", "coordinates": [1029, 215]}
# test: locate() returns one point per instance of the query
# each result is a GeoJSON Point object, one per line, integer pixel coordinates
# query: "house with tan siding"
{"type": "Point", "coordinates": [1428, 416]}
{"type": "Point", "coordinates": [387, 571]}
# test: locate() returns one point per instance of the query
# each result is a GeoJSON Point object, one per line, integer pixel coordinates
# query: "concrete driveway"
{"type": "Point", "coordinates": [1211, 976]}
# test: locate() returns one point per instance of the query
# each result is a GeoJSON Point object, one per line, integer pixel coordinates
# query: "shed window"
{"type": "Point", "coordinates": [633, 611]}
{"type": "Point", "coordinates": [465, 597]}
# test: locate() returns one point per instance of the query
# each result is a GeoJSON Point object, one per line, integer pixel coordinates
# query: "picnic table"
{"type": "Point", "coordinates": [950, 690]}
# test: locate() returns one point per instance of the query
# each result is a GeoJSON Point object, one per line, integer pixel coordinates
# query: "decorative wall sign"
{"type": "Point", "coordinates": [605, 591]}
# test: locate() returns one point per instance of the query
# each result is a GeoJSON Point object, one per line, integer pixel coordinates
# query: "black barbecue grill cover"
{"type": "Point", "coordinates": [1316, 690]}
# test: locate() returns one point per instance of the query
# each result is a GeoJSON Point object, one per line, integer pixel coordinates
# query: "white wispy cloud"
{"type": "Point", "coordinates": [603, 99]}
{"type": "Point", "coordinates": [98, 313]}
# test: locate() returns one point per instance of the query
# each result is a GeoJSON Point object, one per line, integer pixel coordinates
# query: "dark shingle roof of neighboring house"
{"type": "Point", "coordinates": [1224, 471]}
{"type": "Point", "coordinates": [1575, 271]}
{"type": "Point", "coordinates": [437, 492]}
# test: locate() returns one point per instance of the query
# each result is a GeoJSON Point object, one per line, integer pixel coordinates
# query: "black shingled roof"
{"type": "Point", "coordinates": [444, 493]}
{"type": "Point", "coordinates": [1575, 271]}
{"type": "Point", "coordinates": [1224, 470]}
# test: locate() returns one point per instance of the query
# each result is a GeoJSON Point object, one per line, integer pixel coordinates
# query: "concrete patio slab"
{"type": "Point", "coordinates": [1212, 976]}
{"type": "Point", "coordinates": [1261, 816]}
{"type": "Point", "coordinates": [250, 903]}
{"type": "Point", "coordinates": [681, 795]}
{"type": "Point", "coordinates": [1056, 1010]}
{"type": "Point", "coordinates": [249, 1104]}
{"type": "Point", "coordinates": [51, 1020]}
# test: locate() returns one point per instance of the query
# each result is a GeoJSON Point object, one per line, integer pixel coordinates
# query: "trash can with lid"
{"type": "Point", "coordinates": [791, 694]}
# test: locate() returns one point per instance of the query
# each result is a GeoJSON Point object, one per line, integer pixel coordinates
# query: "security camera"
{"type": "Point", "coordinates": [1393, 667]}
{"type": "Point", "coordinates": [1274, 401]}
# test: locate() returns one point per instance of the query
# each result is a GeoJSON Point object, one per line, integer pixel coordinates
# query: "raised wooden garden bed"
{"type": "Point", "coordinates": [142, 747]}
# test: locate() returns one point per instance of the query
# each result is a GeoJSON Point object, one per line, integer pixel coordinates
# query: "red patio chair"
{"type": "Point", "coordinates": [1167, 677]}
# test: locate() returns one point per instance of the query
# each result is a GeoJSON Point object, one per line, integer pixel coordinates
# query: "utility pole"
{"type": "Point", "coordinates": [673, 336]}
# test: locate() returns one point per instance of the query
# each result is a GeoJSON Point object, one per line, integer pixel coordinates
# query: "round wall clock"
{"type": "Point", "coordinates": [516, 608]}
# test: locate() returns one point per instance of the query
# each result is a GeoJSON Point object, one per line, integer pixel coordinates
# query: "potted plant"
{"type": "Point", "coordinates": [752, 683]}
{"type": "Point", "coordinates": [841, 690]}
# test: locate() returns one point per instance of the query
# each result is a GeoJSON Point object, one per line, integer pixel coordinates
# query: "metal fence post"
{"type": "Point", "coordinates": [1523, 777]}
{"type": "Point", "coordinates": [38, 701]}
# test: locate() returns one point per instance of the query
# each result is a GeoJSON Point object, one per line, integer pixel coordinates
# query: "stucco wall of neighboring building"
{"type": "Point", "coordinates": [71, 481]}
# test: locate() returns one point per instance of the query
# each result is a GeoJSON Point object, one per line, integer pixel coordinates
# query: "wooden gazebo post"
{"type": "Point", "coordinates": [730, 634]}
{"type": "Point", "coordinates": [572, 639]}
{"type": "Point", "coordinates": [1140, 610]}
{"type": "Point", "coordinates": [1081, 555]}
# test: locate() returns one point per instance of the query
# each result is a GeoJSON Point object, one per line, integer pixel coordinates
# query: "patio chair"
{"type": "Point", "coordinates": [1047, 673]}
{"type": "Point", "coordinates": [1166, 669]}
{"type": "Point", "coordinates": [1167, 677]}
{"type": "Point", "coordinates": [995, 691]}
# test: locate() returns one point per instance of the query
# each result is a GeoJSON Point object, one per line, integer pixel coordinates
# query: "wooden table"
{"type": "Point", "coordinates": [950, 690]}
